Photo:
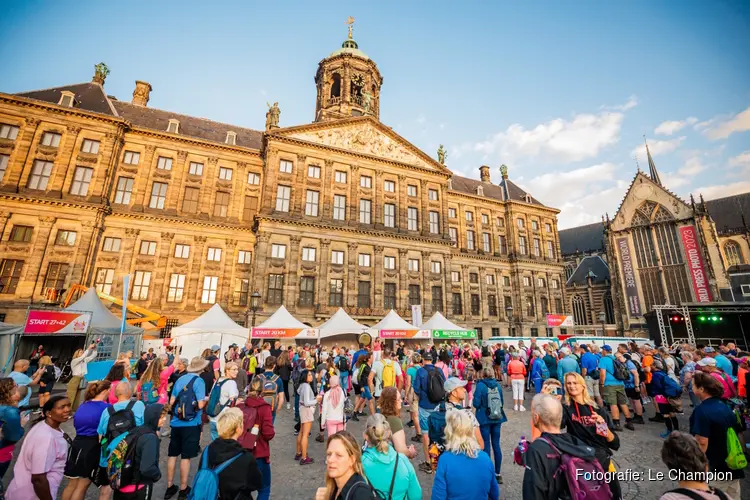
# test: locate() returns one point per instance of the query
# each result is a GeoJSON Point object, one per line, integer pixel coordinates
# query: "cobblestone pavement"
{"type": "Point", "coordinates": [640, 452]}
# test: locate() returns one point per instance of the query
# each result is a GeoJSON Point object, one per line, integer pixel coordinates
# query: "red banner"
{"type": "Point", "coordinates": [42, 322]}
{"type": "Point", "coordinates": [695, 263]}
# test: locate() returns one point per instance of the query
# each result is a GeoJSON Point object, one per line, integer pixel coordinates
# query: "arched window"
{"type": "Point", "coordinates": [733, 253]}
{"type": "Point", "coordinates": [609, 308]}
{"type": "Point", "coordinates": [579, 311]}
{"type": "Point", "coordinates": [336, 86]}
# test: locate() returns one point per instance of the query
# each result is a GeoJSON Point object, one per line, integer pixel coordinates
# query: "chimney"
{"type": "Point", "coordinates": [141, 93]}
{"type": "Point", "coordinates": [484, 173]}
{"type": "Point", "coordinates": [100, 73]}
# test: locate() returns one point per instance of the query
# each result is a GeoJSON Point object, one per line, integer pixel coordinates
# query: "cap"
{"type": "Point", "coordinates": [584, 347]}
{"type": "Point", "coordinates": [427, 356]}
{"type": "Point", "coordinates": [607, 347]}
{"type": "Point", "coordinates": [709, 349]}
{"type": "Point", "coordinates": [233, 345]}
{"type": "Point", "coordinates": [215, 347]}
{"type": "Point", "coordinates": [707, 362]}
{"type": "Point", "coordinates": [453, 383]}
{"type": "Point", "coordinates": [647, 345]}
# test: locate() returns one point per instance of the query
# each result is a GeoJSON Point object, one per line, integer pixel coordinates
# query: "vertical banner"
{"type": "Point", "coordinates": [695, 263]}
{"type": "Point", "coordinates": [125, 293]}
{"type": "Point", "coordinates": [628, 278]}
{"type": "Point", "coordinates": [416, 315]}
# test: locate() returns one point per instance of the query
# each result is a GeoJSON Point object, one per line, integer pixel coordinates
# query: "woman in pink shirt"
{"type": "Point", "coordinates": [120, 372]}
{"type": "Point", "coordinates": [39, 469]}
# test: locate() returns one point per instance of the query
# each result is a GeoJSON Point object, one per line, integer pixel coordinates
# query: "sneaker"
{"type": "Point", "coordinates": [522, 408]}
{"type": "Point", "coordinates": [320, 438]}
{"type": "Point", "coordinates": [657, 418]}
{"type": "Point", "coordinates": [296, 433]}
{"type": "Point", "coordinates": [638, 419]}
{"type": "Point", "coordinates": [297, 457]}
{"type": "Point", "coordinates": [665, 434]}
{"type": "Point", "coordinates": [426, 467]}
{"type": "Point", "coordinates": [354, 417]}
{"type": "Point", "coordinates": [171, 491]}
{"type": "Point", "coordinates": [306, 461]}
{"type": "Point", "coordinates": [288, 406]}
{"type": "Point", "coordinates": [515, 407]}
{"type": "Point", "coordinates": [499, 478]}
{"type": "Point", "coordinates": [416, 439]}
{"type": "Point", "coordinates": [629, 426]}
{"type": "Point", "coordinates": [617, 428]}
{"type": "Point", "coordinates": [410, 424]}
{"type": "Point", "coordinates": [184, 494]}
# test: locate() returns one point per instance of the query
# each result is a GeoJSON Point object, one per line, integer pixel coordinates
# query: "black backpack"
{"type": "Point", "coordinates": [343, 364]}
{"type": "Point", "coordinates": [621, 371]}
{"type": "Point", "coordinates": [120, 422]}
{"type": "Point", "coordinates": [435, 390]}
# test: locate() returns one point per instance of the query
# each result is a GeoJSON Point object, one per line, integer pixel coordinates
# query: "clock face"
{"type": "Point", "coordinates": [643, 191]}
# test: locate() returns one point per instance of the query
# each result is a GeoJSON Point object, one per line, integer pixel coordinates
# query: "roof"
{"type": "Point", "coordinates": [349, 47]}
{"type": "Point", "coordinates": [213, 320]}
{"type": "Point", "coordinates": [89, 97]}
{"type": "Point", "coordinates": [282, 318]}
{"type": "Point", "coordinates": [191, 126]}
{"type": "Point", "coordinates": [583, 239]}
{"type": "Point", "coordinates": [439, 322]}
{"type": "Point", "coordinates": [495, 191]}
{"type": "Point", "coordinates": [592, 265]}
{"type": "Point", "coordinates": [101, 317]}
{"type": "Point", "coordinates": [340, 323]}
{"type": "Point", "coordinates": [727, 212]}
{"type": "Point", "coordinates": [392, 321]}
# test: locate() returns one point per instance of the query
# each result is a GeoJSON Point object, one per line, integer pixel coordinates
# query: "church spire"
{"type": "Point", "coordinates": [651, 166]}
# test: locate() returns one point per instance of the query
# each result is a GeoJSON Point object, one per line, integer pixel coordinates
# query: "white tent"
{"type": "Point", "coordinates": [392, 326]}
{"type": "Point", "coordinates": [103, 321]}
{"type": "Point", "coordinates": [281, 325]}
{"type": "Point", "coordinates": [213, 327]}
{"type": "Point", "coordinates": [439, 322]}
{"type": "Point", "coordinates": [340, 324]}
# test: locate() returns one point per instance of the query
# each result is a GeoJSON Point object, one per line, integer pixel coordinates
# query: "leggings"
{"type": "Point", "coordinates": [285, 383]}
{"type": "Point", "coordinates": [334, 426]}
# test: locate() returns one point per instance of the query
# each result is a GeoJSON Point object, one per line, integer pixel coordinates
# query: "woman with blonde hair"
{"type": "Point", "coordinates": [148, 389]}
{"type": "Point", "coordinates": [345, 478]}
{"type": "Point", "coordinates": [79, 369]}
{"type": "Point", "coordinates": [389, 472]}
{"type": "Point", "coordinates": [590, 424]}
{"type": "Point", "coordinates": [47, 381]}
{"type": "Point", "coordinates": [463, 453]}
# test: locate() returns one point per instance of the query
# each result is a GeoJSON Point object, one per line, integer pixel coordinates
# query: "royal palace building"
{"type": "Point", "coordinates": [342, 212]}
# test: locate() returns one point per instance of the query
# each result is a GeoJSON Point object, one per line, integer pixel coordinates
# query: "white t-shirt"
{"type": "Point", "coordinates": [669, 361]}
{"type": "Point", "coordinates": [229, 391]}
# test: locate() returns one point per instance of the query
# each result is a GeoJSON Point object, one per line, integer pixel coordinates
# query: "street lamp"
{"type": "Point", "coordinates": [509, 315]}
{"type": "Point", "coordinates": [603, 320]}
{"type": "Point", "coordinates": [254, 303]}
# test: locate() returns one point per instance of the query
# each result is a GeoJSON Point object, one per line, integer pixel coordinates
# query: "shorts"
{"type": "Point", "coordinates": [367, 394]}
{"type": "Point", "coordinates": [306, 414]}
{"type": "Point", "coordinates": [673, 405]}
{"type": "Point", "coordinates": [357, 389]}
{"type": "Point", "coordinates": [424, 417]}
{"type": "Point", "coordinates": [83, 458]}
{"type": "Point", "coordinates": [46, 389]}
{"type": "Point", "coordinates": [99, 476]}
{"type": "Point", "coordinates": [633, 393]}
{"type": "Point", "coordinates": [414, 401]}
{"type": "Point", "coordinates": [185, 442]}
{"type": "Point", "coordinates": [593, 387]}
{"type": "Point", "coordinates": [614, 395]}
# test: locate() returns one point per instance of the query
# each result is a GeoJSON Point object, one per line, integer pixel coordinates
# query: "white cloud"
{"type": "Point", "coordinates": [741, 160]}
{"type": "Point", "coordinates": [720, 191]}
{"type": "Point", "coordinates": [692, 167]}
{"type": "Point", "coordinates": [723, 127]}
{"type": "Point", "coordinates": [670, 127]}
{"type": "Point", "coordinates": [658, 147]}
{"type": "Point", "coordinates": [630, 104]}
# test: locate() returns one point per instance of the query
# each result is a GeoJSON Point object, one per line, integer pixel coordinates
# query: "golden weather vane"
{"type": "Point", "coordinates": [350, 22]}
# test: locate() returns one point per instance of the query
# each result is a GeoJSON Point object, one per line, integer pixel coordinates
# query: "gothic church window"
{"type": "Point", "coordinates": [733, 253]}
{"type": "Point", "coordinates": [579, 311]}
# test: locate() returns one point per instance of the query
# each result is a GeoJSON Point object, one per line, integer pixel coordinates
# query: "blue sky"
{"type": "Point", "coordinates": [561, 92]}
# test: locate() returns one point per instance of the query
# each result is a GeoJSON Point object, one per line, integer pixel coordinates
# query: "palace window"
{"type": "Point", "coordinates": [285, 166]}
{"type": "Point", "coordinates": [414, 296]}
{"type": "Point", "coordinates": [558, 305]}
{"type": "Point", "coordinates": [520, 223]}
{"type": "Point", "coordinates": [278, 251]}
{"type": "Point", "coordinates": [9, 132]}
{"type": "Point", "coordinates": [434, 222]}
{"type": "Point", "coordinates": [90, 146]}
{"type": "Point", "coordinates": [475, 307]}
{"type": "Point", "coordinates": [365, 181]}
{"type": "Point", "coordinates": [489, 279]}
{"type": "Point", "coordinates": [534, 225]}
{"type": "Point", "coordinates": [174, 126]}
{"type": "Point", "coordinates": [340, 177]}
{"type": "Point", "coordinates": [40, 174]}
{"type": "Point", "coordinates": [225, 174]}
{"type": "Point", "coordinates": [311, 203]}
{"type": "Point", "coordinates": [158, 195]}
{"type": "Point", "coordinates": [389, 215]}
{"type": "Point", "coordinates": [111, 244]}
{"type": "Point", "coordinates": [529, 306]}
{"type": "Point", "coordinates": [411, 190]}
{"type": "Point", "coordinates": [214, 254]}
{"type": "Point", "coordinates": [486, 245]}
{"type": "Point", "coordinates": [389, 262]}
{"type": "Point", "coordinates": [550, 250]}
{"type": "Point", "coordinates": [221, 207]}
{"type": "Point", "coordinates": [141, 282]}
{"type": "Point", "coordinates": [337, 257]}
{"type": "Point", "coordinates": [554, 284]}
{"type": "Point", "coordinates": [453, 234]}
{"type": "Point", "coordinates": [545, 305]}
{"type": "Point", "coordinates": [147, 248]}
{"type": "Point", "coordinates": [412, 221]}
{"type": "Point", "coordinates": [526, 281]}
{"type": "Point", "coordinates": [181, 251]}
{"type": "Point", "coordinates": [339, 207]}
{"type": "Point", "coordinates": [104, 279]}
{"type": "Point", "coordinates": [522, 244]}
{"type": "Point", "coordinates": [470, 240]}
{"type": "Point", "coordinates": [502, 247]}
{"type": "Point", "coordinates": [364, 260]}
{"type": "Point", "coordinates": [414, 265]}
{"type": "Point", "coordinates": [124, 190]}
{"type": "Point", "coordinates": [435, 266]}
{"type": "Point", "coordinates": [506, 280]}
{"type": "Point", "coordinates": [164, 163]}
{"type": "Point", "coordinates": [609, 308]}
{"type": "Point", "coordinates": [231, 138]}
{"type": "Point", "coordinates": [336, 293]}
{"type": "Point", "coordinates": [389, 186]}
{"type": "Point", "coordinates": [176, 288]}
{"type": "Point", "coordinates": [241, 291]}
{"type": "Point", "coordinates": [283, 194]}
{"type": "Point", "coordinates": [500, 222]}
{"type": "Point", "coordinates": [451, 213]}
{"type": "Point", "coordinates": [313, 171]}
{"type": "Point", "coordinates": [4, 159]}
{"type": "Point", "coordinates": [433, 195]}
{"type": "Point", "coordinates": [365, 208]}
{"type": "Point", "coordinates": [485, 219]}
{"type": "Point", "coordinates": [455, 276]}
{"type": "Point", "coordinates": [308, 254]}
{"type": "Point", "coordinates": [548, 227]}
{"type": "Point", "coordinates": [65, 238]}
{"type": "Point", "coordinates": [541, 283]}
{"type": "Point", "coordinates": [210, 284]}
{"type": "Point", "coordinates": [10, 275]}
{"type": "Point", "coordinates": [473, 278]}
{"type": "Point", "coordinates": [491, 305]}
{"type": "Point", "coordinates": [307, 291]}
{"type": "Point", "coordinates": [437, 299]}
{"type": "Point", "coordinates": [51, 139]}
{"type": "Point", "coordinates": [537, 247]}
{"type": "Point", "coordinates": [190, 201]}
{"type": "Point", "coordinates": [253, 178]}
{"type": "Point", "coordinates": [55, 278]}
{"type": "Point", "coordinates": [389, 295]}
{"type": "Point", "coordinates": [245, 257]}
{"type": "Point", "coordinates": [131, 158]}
{"type": "Point", "coordinates": [457, 306]}
{"type": "Point", "coordinates": [251, 206]}
{"type": "Point", "coordinates": [363, 294]}
{"type": "Point", "coordinates": [275, 289]}
{"type": "Point", "coordinates": [21, 234]}
{"type": "Point", "coordinates": [469, 216]}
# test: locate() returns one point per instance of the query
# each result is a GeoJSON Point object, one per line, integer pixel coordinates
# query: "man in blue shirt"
{"type": "Point", "coordinates": [566, 365]}
{"type": "Point", "coordinates": [426, 407]}
{"type": "Point", "coordinates": [722, 362]}
{"type": "Point", "coordinates": [22, 380]}
{"type": "Point", "coordinates": [124, 392]}
{"type": "Point", "coordinates": [186, 434]}
{"type": "Point", "coordinates": [613, 390]}
{"type": "Point", "coordinates": [357, 354]}
{"type": "Point", "coordinates": [590, 372]}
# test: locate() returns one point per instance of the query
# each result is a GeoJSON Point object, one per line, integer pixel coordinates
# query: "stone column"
{"type": "Point", "coordinates": [377, 216]}
{"type": "Point", "coordinates": [466, 292]}
{"type": "Point", "coordinates": [448, 285]}
{"type": "Point", "coordinates": [207, 194]}
{"type": "Point", "coordinates": [351, 275]}
{"type": "Point", "coordinates": [65, 161]}
{"type": "Point", "coordinates": [226, 278]}
{"type": "Point", "coordinates": [292, 287]}
{"type": "Point", "coordinates": [159, 279]}
{"type": "Point", "coordinates": [195, 275]}
{"type": "Point", "coordinates": [298, 193]}
{"type": "Point", "coordinates": [326, 196]}
{"type": "Point", "coordinates": [323, 258]}
{"type": "Point", "coordinates": [176, 183]}
{"type": "Point", "coordinates": [423, 225]}
{"type": "Point", "coordinates": [377, 277]}
{"type": "Point", "coordinates": [354, 197]}
{"type": "Point", "coordinates": [403, 283]}
{"type": "Point", "coordinates": [261, 257]}
{"type": "Point", "coordinates": [401, 209]}
{"type": "Point", "coordinates": [141, 187]}
{"type": "Point", "coordinates": [21, 157]}
{"type": "Point", "coordinates": [426, 290]}
{"type": "Point", "coordinates": [270, 176]}
{"type": "Point", "coordinates": [37, 255]}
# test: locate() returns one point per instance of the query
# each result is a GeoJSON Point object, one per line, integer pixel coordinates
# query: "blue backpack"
{"type": "Point", "coordinates": [214, 406]}
{"type": "Point", "coordinates": [671, 388]}
{"type": "Point", "coordinates": [206, 482]}
{"type": "Point", "coordinates": [545, 371]}
{"type": "Point", "coordinates": [149, 394]}
{"type": "Point", "coordinates": [186, 404]}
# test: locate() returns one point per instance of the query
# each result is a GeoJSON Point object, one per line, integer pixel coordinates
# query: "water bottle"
{"type": "Point", "coordinates": [522, 445]}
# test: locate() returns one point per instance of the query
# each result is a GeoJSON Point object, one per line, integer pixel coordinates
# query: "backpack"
{"type": "Point", "coordinates": [149, 394]}
{"type": "Point", "coordinates": [575, 470]}
{"type": "Point", "coordinates": [364, 374]}
{"type": "Point", "coordinates": [186, 403]}
{"type": "Point", "coordinates": [249, 438]}
{"type": "Point", "coordinates": [389, 374]}
{"type": "Point", "coordinates": [343, 364]}
{"type": "Point", "coordinates": [246, 362]}
{"type": "Point", "coordinates": [545, 371]}
{"type": "Point", "coordinates": [671, 388]}
{"type": "Point", "coordinates": [120, 422]}
{"type": "Point", "coordinates": [736, 459]}
{"type": "Point", "coordinates": [214, 406]}
{"type": "Point", "coordinates": [436, 425]}
{"type": "Point", "coordinates": [435, 390]}
{"type": "Point", "coordinates": [696, 496]}
{"type": "Point", "coordinates": [122, 469]}
{"type": "Point", "coordinates": [206, 482]}
{"type": "Point", "coordinates": [494, 403]}
{"type": "Point", "coordinates": [270, 390]}
{"type": "Point", "coordinates": [641, 373]}
{"type": "Point", "coordinates": [620, 370]}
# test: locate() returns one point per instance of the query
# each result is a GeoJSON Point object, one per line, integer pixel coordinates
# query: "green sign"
{"type": "Point", "coordinates": [454, 334]}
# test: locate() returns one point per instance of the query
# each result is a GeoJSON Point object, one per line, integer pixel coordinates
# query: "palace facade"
{"type": "Point", "coordinates": [342, 212]}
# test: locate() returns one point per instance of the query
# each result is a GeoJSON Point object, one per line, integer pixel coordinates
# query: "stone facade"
{"type": "Point", "coordinates": [198, 212]}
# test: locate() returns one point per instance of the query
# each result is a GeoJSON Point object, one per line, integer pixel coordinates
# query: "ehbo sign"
{"type": "Point", "coordinates": [41, 322]}
{"type": "Point", "coordinates": [695, 264]}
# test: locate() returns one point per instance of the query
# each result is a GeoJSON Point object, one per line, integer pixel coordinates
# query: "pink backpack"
{"type": "Point", "coordinates": [576, 471]}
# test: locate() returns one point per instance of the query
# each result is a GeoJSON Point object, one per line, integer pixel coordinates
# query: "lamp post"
{"type": "Point", "coordinates": [509, 315]}
{"type": "Point", "coordinates": [254, 304]}
{"type": "Point", "coordinates": [602, 320]}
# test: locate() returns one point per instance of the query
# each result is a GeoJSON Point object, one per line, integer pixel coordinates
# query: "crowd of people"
{"type": "Point", "coordinates": [452, 396]}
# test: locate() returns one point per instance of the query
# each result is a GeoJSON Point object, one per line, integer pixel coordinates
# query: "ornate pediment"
{"type": "Point", "coordinates": [365, 137]}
